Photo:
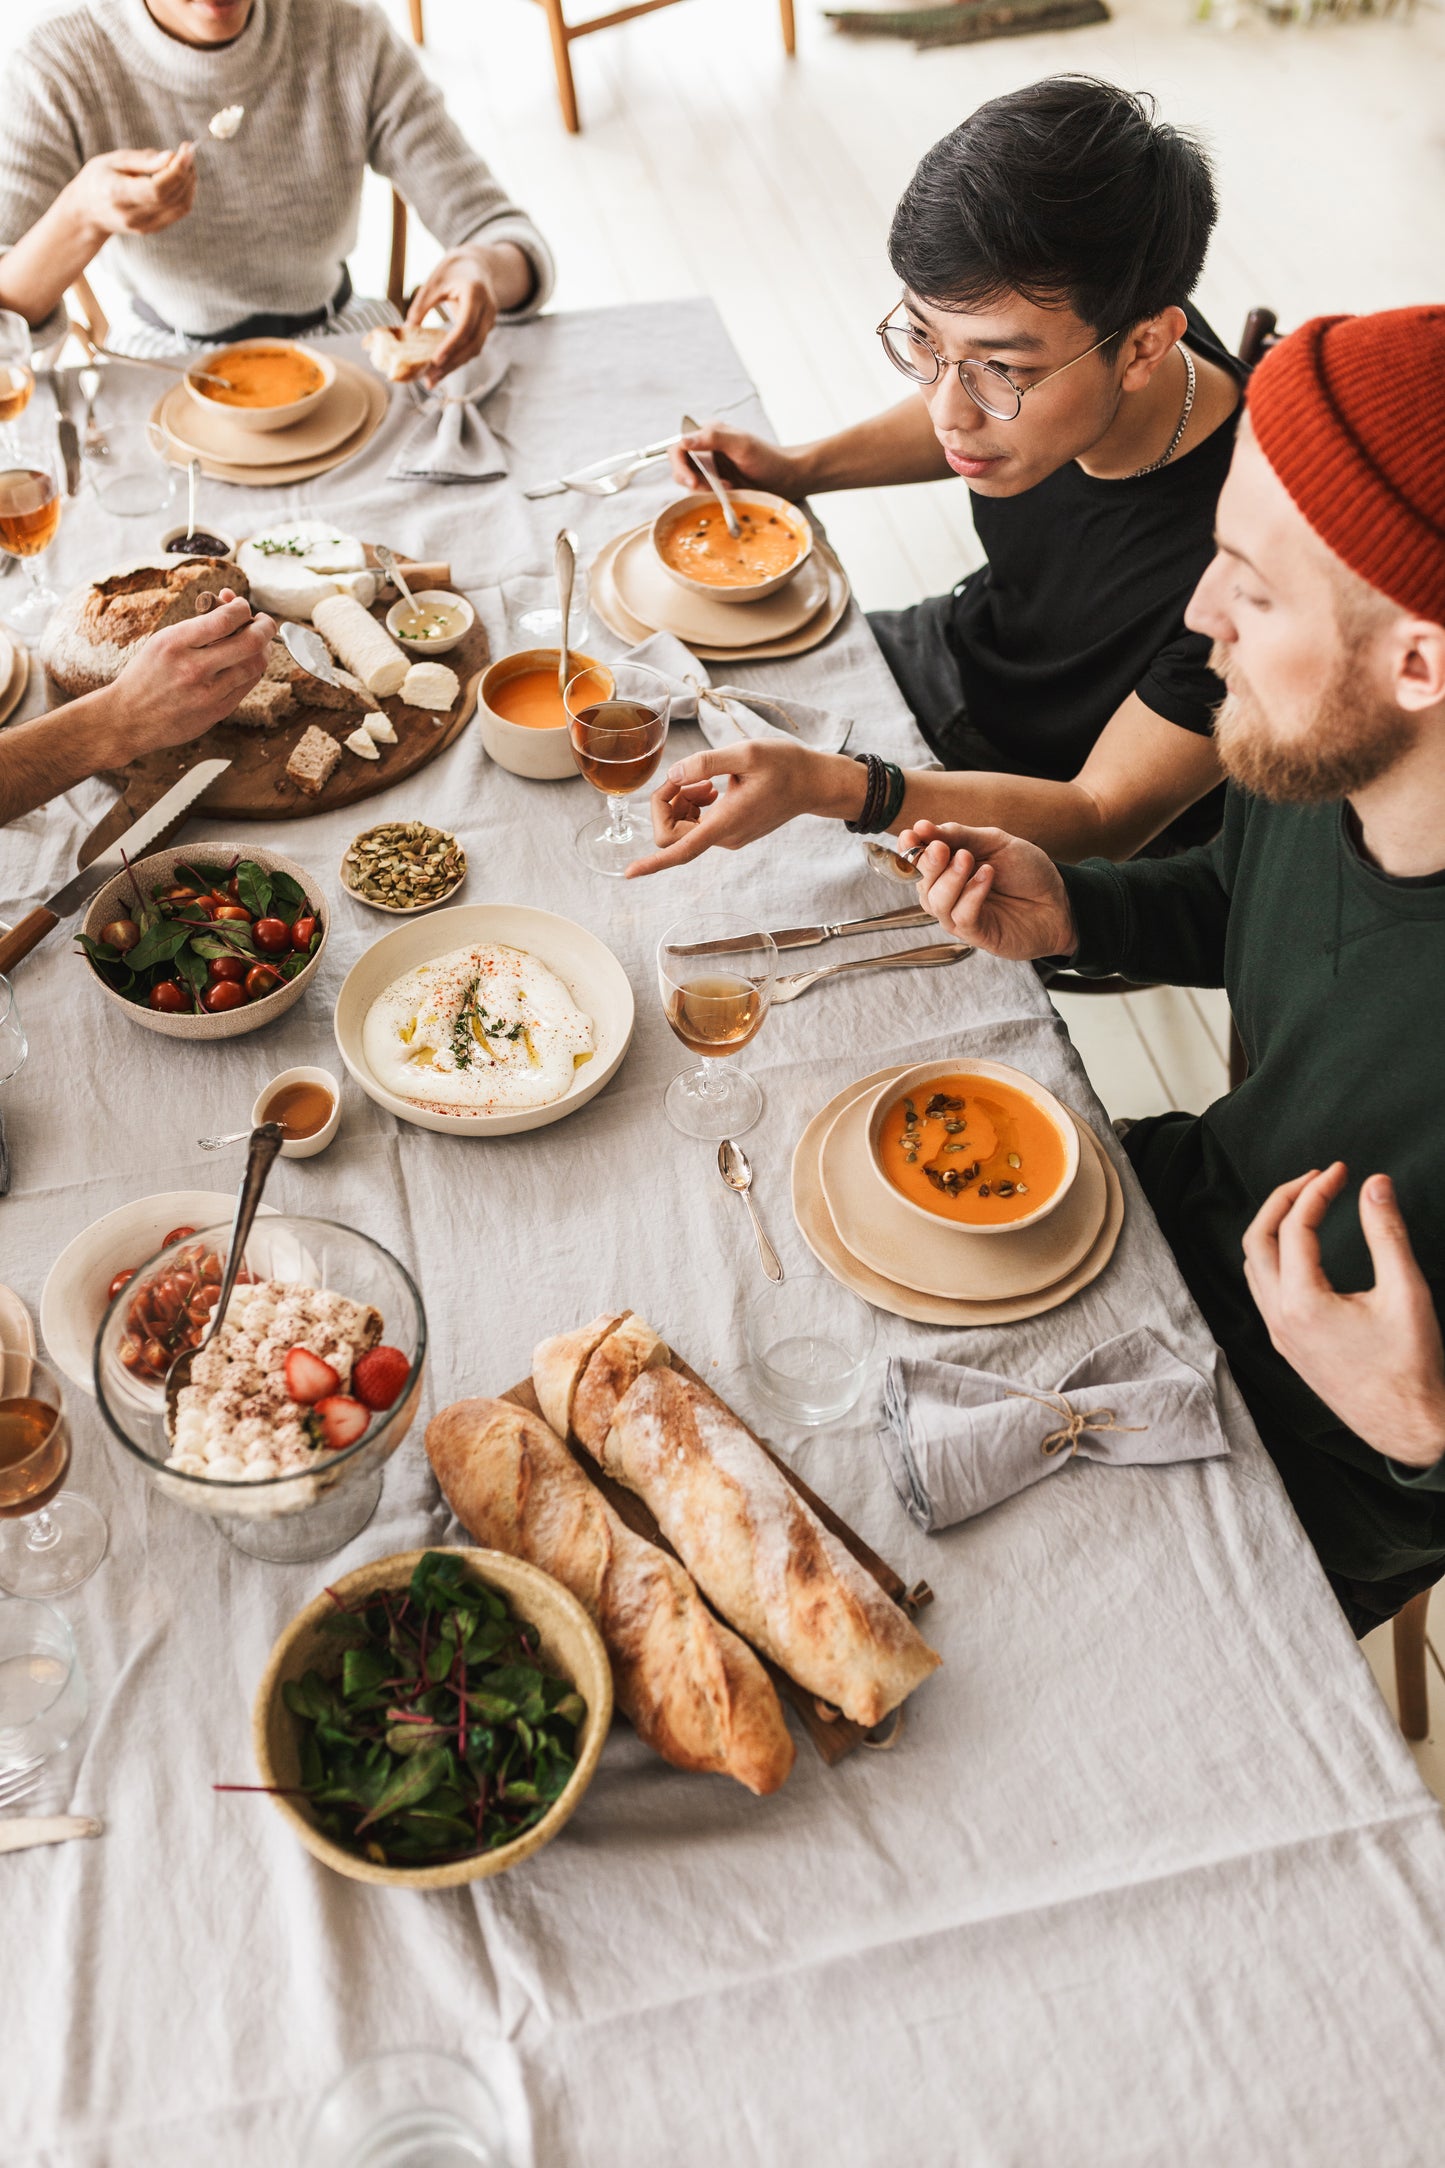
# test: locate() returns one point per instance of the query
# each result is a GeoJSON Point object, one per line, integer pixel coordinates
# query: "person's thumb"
{"type": "Point", "coordinates": [1384, 1229]}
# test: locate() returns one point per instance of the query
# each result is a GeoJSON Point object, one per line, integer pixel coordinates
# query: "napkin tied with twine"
{"type": "Point", "coordinates": [957, 1441]}
{"type": "Point", "coordinates": [726, 714]}
{"type": "Point", "coordinates": [452, 442]}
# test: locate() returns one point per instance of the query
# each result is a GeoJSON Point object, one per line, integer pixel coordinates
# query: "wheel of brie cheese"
{"type": "Point", "coordinates": [294, 566]}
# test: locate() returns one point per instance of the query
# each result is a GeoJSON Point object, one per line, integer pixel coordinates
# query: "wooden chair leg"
{"type": "Point", "coordinates": [1412, 1689]}
{"type": "Point", "coordinates": [418, 28]}
{"type": "Point", "coordinates": [790, 28]}
{"type": "Point", "coordinates": [396, 273]}
{"type": "Point", "coordinates": [562, 62]}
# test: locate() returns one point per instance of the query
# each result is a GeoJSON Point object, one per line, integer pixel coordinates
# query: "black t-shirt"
{"type": "Point", "coordinates": [1082, 601]}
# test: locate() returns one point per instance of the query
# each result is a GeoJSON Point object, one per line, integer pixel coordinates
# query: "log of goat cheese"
{"type": "Point", "coordinates": [366, 648]}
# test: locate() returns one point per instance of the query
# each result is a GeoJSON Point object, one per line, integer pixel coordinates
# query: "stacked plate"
{"type": "Point", "coordinates": [634, 598]}
{"type": "Point", "coordinates": [14, 674]}
{"type": "Point", "coordinates": [937, 1270]}
{"type": "Point", "coordinates": [347, 415]}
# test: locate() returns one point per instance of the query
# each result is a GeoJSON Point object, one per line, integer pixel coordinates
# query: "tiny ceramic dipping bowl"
{"type": "Point", "coordinates": [260, 420]}
{"type": "Point", "coordinates": [180, 534]}
{"type": "Point", "coordinates": [301, 1147]}
{"type": "Point", "coordinates": [917, 1080]}
{"type": "Point", "coordinates": [156, 872]}
{"type": "Point", "coordinates": [544, 756]}
{"type": "Point", "coordinates": [431, 598]}
{"type": "Point", "coordinates": [682, 509]}
{"type": "Point", "coordinates": [570, 1642]}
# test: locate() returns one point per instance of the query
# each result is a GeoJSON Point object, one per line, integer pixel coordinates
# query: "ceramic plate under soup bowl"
{"type": "Point", "coordinates": [587, 968]}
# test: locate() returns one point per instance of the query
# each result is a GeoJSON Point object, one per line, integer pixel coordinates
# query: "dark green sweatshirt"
{"type": "Point", "coordinates": [1336, 977]}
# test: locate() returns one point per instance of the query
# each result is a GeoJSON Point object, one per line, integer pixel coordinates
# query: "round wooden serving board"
{"type": "Point", "coordinates": [256, 786]}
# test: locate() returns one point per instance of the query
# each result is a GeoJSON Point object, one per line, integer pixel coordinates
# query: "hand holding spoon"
{"type": "Point", "coordinates": [707, 467]}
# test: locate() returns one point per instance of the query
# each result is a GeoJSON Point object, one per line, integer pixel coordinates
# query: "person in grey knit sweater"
{"type": "Point", "coordinates": [104, 139]}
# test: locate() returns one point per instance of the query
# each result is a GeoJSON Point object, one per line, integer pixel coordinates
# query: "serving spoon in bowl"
{"type": "Point", "coordinates": [707, 467]}
{"type": "Point", "coordinates": [266, 1142]}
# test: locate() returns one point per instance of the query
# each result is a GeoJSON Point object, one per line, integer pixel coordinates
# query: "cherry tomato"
{"type": "Point", "coordinates": [228, 967]}
{"type": "Point", "coordinates": [303, 933]}
{"type": "Point", "coordinates": [211, 1270]}
{"type": "Point", "coordinates": [235, 911]}
{"type": "Point", "coordinates": [177, 1234]}
{"type": "Point", "coordinates": [155, 1357]}
{"type": "Point", "coordinates": [225, 994]}
{"type": "Point", "coordinates": [261, 980]}
{"type": "Point", "coordinates": [182, 893]}
{"type": "Point", "coordinates": [233, 888]}
{"type": "Point", "coordinates": [170, 997]}
{"type": "Point", "coordinates": [131, 1352]}
{"type": "Point", "coordinates": [121, 933]}
{"type": "Point", "coordinates": [118, 1283]}
{"type": "Point", "coordinates": [272, 936]}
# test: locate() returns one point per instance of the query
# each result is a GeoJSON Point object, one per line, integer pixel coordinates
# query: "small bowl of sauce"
{"type": "Point", "coordinates": [433, 621]}
{"type": "Point", "coordinates": [307, 1104]}
{"type": "Point", "coordinates": [205, 542]}
{"type": "Point", "coordinates": [520, 715]}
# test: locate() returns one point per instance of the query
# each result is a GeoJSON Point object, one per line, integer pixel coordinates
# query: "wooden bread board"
{"type": "Point", "coordinates": [835, 1735]}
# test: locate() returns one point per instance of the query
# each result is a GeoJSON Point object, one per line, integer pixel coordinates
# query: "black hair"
{"type": "Point", "coordinates": [1069, 191]}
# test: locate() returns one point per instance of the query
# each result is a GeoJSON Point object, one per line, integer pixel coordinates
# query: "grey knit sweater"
{"type": "Point", "coordinates": [328, 90]}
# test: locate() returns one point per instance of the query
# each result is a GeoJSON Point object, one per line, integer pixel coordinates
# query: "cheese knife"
{"type": "Point", "coordinates": [809, 936]}
{"type": "Point", "coordinates": [142, 836]}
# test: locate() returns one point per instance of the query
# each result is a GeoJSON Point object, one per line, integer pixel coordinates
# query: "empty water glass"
{"type": "Point", "coordinates": [413, 2108]}
{"type": "Point", "coordinates": [42, 1687]}
{"type": "Point", "coordinates": [133, 477]}
{"type": "Point", "coordinates": [809, 1342]}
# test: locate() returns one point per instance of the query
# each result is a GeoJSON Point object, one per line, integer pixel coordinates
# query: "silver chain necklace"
{"type": "Point", "coordinates": [1178, 437]}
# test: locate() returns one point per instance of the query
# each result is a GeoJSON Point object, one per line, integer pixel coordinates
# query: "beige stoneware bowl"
{"type": "Point", "coordinates": [923, 1074]}
{"type": "Point", "coordinates": [542, 756]}
{"type": "Point", "coordinates": [155, 872]}
{"type": "Point", "coordinates": [570, 1643]}
{"type": "Point", "coordinates": [681, 509]}
{"type": "Point", "coordinates": [258, 421]}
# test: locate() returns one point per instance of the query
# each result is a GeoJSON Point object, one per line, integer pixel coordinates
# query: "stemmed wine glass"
{"type": "Point", "coordinates": [617, 743]}
{"type": "Point", "coordinates": [30, 492]}
{"type": "Point", "coordinates": [716, 972]}
{"type": "Point", "coordinates": [51, 1544]}
{"type": "Point", "coordinates": [17, 376]}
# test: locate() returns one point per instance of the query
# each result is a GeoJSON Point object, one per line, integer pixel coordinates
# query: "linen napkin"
{"type": "Point", "coordinates": [957, 1441]}
{"type": "Point", "coordinates": [452, 442]}
{"type": "Point", "coordinates": [727, 713]}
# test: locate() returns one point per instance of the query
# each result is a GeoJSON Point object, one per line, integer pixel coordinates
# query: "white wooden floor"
{"type": "Point", "coordinates": [709, 163]}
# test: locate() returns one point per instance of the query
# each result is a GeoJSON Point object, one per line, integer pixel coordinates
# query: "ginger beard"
{"type": "Point", "coordinates": [1352, 739]}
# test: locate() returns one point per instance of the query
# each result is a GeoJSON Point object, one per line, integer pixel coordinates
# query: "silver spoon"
{"type": "Point", "coordinates": [564, 560]}
{"type": "Point", "coordinates": [736, 1170]}
{"type": "Point", "coordinates": [193, 475]}
{"type": "Point", "coordinates": [216, 1144]}
{"type": "Point", "coordinates": [707, 467]}
{"type": "Point", "coordinates": [309, 649]}
{"type": "Point", "coordinates": [899, 865]}
{"type": "Point", "coordinates": [266, 1142]}
{"type": "Point", "coordinates": [386, 558]}
{"type": "Point", "coordinates": [93, 444]}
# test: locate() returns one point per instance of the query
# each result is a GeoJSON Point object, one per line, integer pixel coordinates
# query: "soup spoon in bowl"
{"type": "Point", "coordinates": [707, 467]}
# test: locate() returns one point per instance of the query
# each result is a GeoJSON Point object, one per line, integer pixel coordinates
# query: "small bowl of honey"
{"type": "Point", "coordinates": [520, 715]}
{"type": "Point", "coordinates": [307, 1104]}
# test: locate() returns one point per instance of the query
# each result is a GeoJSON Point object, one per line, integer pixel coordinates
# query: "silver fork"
{"type": "Point", "coordinates": [936, 953]}
{"type": "Point", "coordinates": [19, 1783]}
{"type": "Point", "coordinates": [602, 485]}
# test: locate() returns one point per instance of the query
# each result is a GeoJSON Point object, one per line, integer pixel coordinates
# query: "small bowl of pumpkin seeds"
{"type": "Point", "coordinates": [403, 866]}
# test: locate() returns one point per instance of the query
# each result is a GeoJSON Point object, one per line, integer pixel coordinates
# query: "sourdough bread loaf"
{"type": "Point", "coordinates": [97, 629]}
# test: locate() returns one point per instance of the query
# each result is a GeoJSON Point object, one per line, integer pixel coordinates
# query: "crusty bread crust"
{"type": "Point", "coordinates": [96, 629]}
{"type": "Point", "coordinates": [558, 1363]}
{"type": "Point", "coordinates": [402, 351]}
{"type": "Point", "coordinates": [696, 1694]}
{"type": "Point", "coordinates": [612, 1371]}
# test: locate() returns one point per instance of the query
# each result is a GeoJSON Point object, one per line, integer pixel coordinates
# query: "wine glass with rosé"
{"type": "Point", "coordinates": [48, 1544]}
{"type": "Point", "coordinates": [617, 742]}
{"type": "Point", "coordinates": [30, 491]}
{"type": "Point", "coordinates": [716, 975]}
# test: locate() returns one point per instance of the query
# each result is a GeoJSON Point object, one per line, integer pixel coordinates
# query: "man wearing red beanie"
{"type": "Point", "coordinates": [1307, 1208]}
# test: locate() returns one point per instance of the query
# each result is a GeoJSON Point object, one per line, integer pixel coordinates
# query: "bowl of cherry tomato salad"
{"type": "Point", "coordinates": [206, 943]}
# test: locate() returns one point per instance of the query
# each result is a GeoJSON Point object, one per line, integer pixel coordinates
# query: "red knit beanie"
{"type": "Point", "coordinates": [1350, 413]}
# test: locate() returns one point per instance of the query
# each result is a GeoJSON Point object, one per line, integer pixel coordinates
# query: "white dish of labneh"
{"type": "Point", "coordinates": [485, 1020]}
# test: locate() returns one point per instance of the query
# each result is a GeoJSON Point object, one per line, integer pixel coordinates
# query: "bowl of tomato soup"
{"type": "Point", "coordinates": [520, 713]}
{"type": "Point", "coordinates": [973, 1144]}
{"type": "Point", "coordinates": [268, 383]}
{"type": "Point", "coordinates": [694, 548]}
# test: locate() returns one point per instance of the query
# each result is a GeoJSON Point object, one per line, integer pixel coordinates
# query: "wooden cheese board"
{"type": "Point", "coordinates": [834, 1735]}
{"type": "Point", "coordinates": [256, 786]}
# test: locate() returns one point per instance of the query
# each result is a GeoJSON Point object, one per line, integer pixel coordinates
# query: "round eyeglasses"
{"type": "Point", "coordinates": [988, 385]}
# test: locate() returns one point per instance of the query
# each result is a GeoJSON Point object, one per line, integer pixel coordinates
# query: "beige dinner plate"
{"type": "Point", "coordinates": [250, 476]}
{"type": "Point", "coordinates": [873, 1222]}
{"type": "Point", "coordinates": [15, 662]}
{"type": "Point", "coordinates": [815, 1223]}
{"type": "Point", "coordinates": [657, 600]}
{"type": "Point", "coordinates": [209, 434]}
{"type": "Point", "coordinates": [627, 625]}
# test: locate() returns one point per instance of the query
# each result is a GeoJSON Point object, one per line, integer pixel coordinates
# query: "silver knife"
{"type": "Point", "coordinates": [810, 936]}
{"type": "Point", "coordinates": [66, 432]}
{"type": "Point", "coordinates": [139, 838]}
{"type": "Point", "coordinates": [600, 468]}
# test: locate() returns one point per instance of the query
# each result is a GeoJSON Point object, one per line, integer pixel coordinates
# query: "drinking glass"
{"type": "Point", "coordinates": [50, 1544]}
{"type": "Point", "coordinates": [17, 377]}
{"type": "Point", "coordinates": [413, 2108]}
{"type": "Point", "coordinates": [715, 998]}
{"type": "Point", "coordinates": [30, 492]}
{"type": "Point", "coordinates": [617, 744]}
{"type": "Point", "coordinates": [809, 1343]}
{"type": "Point", "coordinates": [133, 476]}
{"type": "Point", "coordinates": [42, 1687]}
{"type": "Point", "coordinates": [541, 625]}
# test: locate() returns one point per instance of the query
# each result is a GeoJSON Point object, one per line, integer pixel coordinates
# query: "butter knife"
{"type": "Point", "coordinates": [936, 953]}
{"type": "Point", "coordinates": [19, 1832]}
{"type": "Point", "coordinates": [809, 936]}
{"type": "Point", "coordinates": [66, 432]}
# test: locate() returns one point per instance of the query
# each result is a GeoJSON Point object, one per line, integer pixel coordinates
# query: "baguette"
{"type": "Point", "coordinates": [695, 1693]}
{"type": "Point", "coordinates": [617, 1363]}
{"type": "Point", "coordinates": [402, 351]}
{"type": "Point", "coordinates": [558, 1363]}
{"type": "Point", "coordinates": [756, 1550]}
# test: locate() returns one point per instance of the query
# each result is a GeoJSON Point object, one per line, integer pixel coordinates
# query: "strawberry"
{"type": "Point", "coordinates": [339, 1421]}
{"type": "Point", "coordinates": [379, 1376]}
{"type": "Point", "coordinates": [308, 1378]}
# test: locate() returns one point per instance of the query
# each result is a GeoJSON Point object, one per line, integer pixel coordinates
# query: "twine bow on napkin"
{"type": "Point", "coordinates": [957, 1441]}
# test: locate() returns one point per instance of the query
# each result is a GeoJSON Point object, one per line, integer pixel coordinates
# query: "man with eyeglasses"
{"type": "Point", "coordinates": [1047, 249]}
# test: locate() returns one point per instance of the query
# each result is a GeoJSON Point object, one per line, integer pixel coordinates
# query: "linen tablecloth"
{"type": "Point", "coordinates": [1151, 1877]}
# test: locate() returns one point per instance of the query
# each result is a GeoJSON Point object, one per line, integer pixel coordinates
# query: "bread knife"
{"type": "Point", "coordinates": [142, 836]}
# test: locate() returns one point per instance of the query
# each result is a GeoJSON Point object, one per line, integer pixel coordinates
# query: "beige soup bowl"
{"type": "Point", "coordinates": [917, 1080]}
{"type": "Point", "coordinates": [682, 509]}
{"type": "Point", "coordinates": [543, 756]}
